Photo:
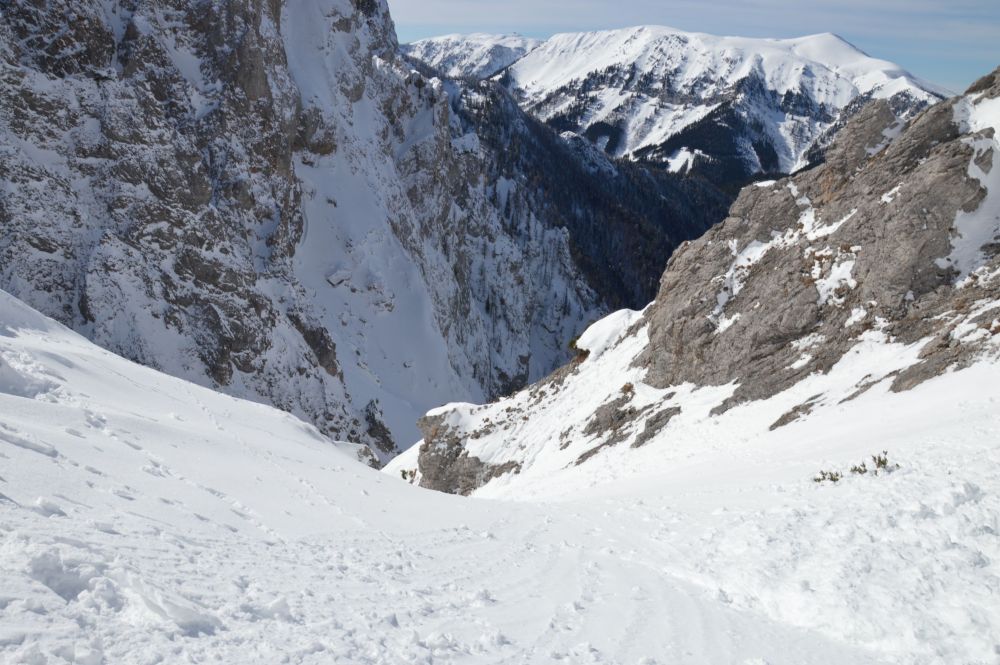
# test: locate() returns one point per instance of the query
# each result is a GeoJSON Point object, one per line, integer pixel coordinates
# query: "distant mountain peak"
{"type": "Point", "coordinates": [478, 55]}
{"type": "Point", "coordinates": [651, 92]}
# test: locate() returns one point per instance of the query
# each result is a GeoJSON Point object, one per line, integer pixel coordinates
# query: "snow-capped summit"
{"type": "Point", "coordinates": [478, 55]}
{"type": "Point", "coordinates": [736, 105]}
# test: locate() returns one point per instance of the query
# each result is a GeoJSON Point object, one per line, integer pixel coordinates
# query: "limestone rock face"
{"type": "Point", "coordinates": [264, 197]}
{"type": "Point", "coordinates": [880, 267]}
{"type": "Point", "coordinates": [447, 467]}
{"type": "Point", "coordinates": [150, 198]}
{"type": "Point", "coordinates": [858, 243]}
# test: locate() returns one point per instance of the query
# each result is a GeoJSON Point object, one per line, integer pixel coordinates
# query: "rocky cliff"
{"type": "Point", "coordinates": [861, 278]}
{"type": "Point", "coordinates": [265, 198]}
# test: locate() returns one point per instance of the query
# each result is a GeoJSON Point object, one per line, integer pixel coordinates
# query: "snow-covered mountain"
{"type": "Point", "coordinates": [477, 56]}
{"type": "Point", "coordinates": [267, 199]}
{"type": "Point", "coordinates": [818, 301]}
{"type": "Point", "coordinates": [729, 107]}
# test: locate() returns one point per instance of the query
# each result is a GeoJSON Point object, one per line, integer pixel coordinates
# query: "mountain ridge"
{"type": "Point", "coordinates": [693, 101]}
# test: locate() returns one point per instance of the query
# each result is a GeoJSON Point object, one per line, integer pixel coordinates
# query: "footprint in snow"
{"type": "Point", "coordinates": [214, 492]}
{"type": "Point", "coordinates": [156, 469]}
{"type": "Point", "coordinates": [95, 420]}
{"type": "Point", "coordinates": [123, 494]}
{"type": "Point", "coordinates": [12, 437]}
{"type": "Point", "coordinates": [48, 508]}
{"type": "Point", "coordinates": [103, 527]}
{"type": "Point", "coordinates": [65, 498]}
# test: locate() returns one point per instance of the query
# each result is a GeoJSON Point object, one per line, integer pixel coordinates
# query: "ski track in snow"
{"type": "Point", "coordinates": [146, 520]}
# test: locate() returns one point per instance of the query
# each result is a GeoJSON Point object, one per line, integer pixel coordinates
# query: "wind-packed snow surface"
{"type": "Point", "coordinates": [147, 520]}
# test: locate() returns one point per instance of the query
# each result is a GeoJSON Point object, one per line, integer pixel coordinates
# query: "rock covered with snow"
{"type": "Point", "coordinates": [875, 272]}
{"type": "Point", "coordinates": [263, 197]}
{"type": "Point", "coordinates": [849, 310]}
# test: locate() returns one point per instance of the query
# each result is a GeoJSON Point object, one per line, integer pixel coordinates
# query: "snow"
{"type": "Point", "coordinates": [810, 228]}
{"type": "Point", "coordinates": [477, 55]}
{"type": "Point", "coordinates": [726, 322]}
{"type": "Point", "coordinates": [372, 263]}
{"type": "Point", "coordinates": [682, 160]}
{"type": "Point", "coordinates": [803, 361]}
{"type": "Point", "coordinates": [601, 336]}
{"type": "Point", "coordinates": [734, 280]}
{"type": "Point", "coordinates": [144, 519]}
{"type": "Point", "coordinates": [701, 68]}
{"type": "Point", "coordinates": [814, 232]}
{"type": "Point", "coordinates": [891, 195]}
{"type": "Point", "coordinates": [889, 134]}
{"type": "Point", "coordinates": [858, 315]}
{"type": "Point", "coordinates": [839, 277]}
{"type": "Point", "coordinates": [903, 563]}
{"type": "Point", "coordinates": [179, 525]}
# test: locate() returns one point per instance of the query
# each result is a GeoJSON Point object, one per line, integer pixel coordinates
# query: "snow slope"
{"type": "Point", "coordinates": [905, 563]}
{"type": "Point", "coordinates": [771, 379]}
{"type": "Point", "coordinates": [818, 294]}
{"type": "Point", "coordinates": [147, 520]}
{"type": "Point", "coordinates": [653, 82]}
{"type": "Point", "coordinates": [478, 55]}
{"type": "Point", "coordinates": [840, 70]}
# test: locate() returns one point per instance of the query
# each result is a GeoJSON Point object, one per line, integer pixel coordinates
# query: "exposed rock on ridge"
{"type": "Point", "coordinates": [882, 266]}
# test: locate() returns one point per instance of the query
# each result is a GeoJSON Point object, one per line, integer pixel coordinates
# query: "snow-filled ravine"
{"type": "Point", "coordinates": [146, 520]}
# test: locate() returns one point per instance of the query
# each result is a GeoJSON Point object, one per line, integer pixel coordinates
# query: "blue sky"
{"type": "Point", "coordinates": [951, 43]}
